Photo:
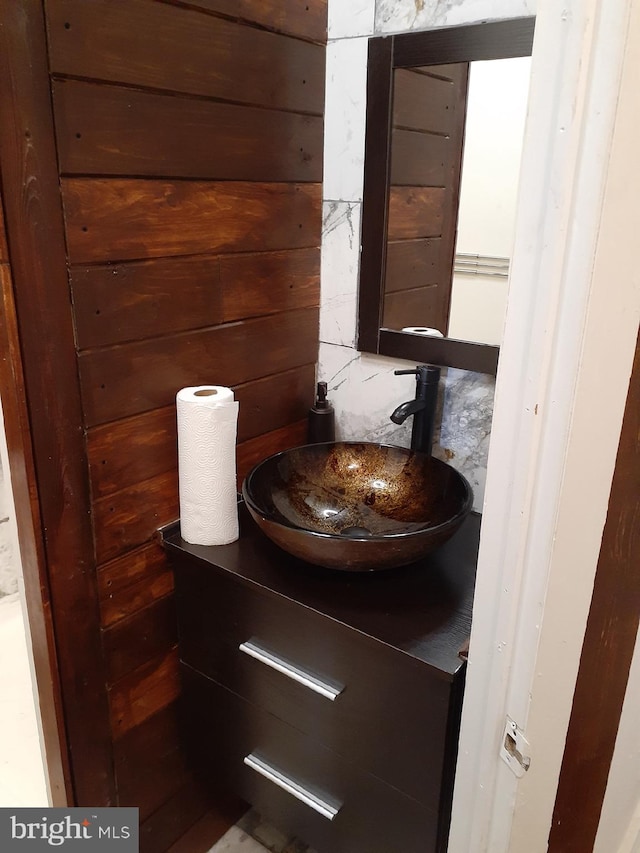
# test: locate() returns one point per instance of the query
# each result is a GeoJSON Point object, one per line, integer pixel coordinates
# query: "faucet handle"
{"type": "Point", "coordinates": [426, 374]}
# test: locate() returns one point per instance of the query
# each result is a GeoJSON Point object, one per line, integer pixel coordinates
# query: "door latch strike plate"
{"type": "Point", "coordinates": [514, 749]}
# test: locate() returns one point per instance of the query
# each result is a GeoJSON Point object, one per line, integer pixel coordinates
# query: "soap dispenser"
{"type": "Point", "coordinates": [321, 418]}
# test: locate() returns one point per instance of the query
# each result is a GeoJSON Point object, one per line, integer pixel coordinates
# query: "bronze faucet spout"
{"type": "Point", "coordinates": [422, 407]}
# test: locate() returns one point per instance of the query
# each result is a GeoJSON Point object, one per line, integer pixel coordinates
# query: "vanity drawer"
{"type": "Point", "coordinates": [296, 782]}
{"type": "Point", "coordinates": [379, 708]}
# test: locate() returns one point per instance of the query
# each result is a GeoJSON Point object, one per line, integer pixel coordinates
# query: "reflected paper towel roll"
{"type": "Point", "coordinates": [424, 330]}
{"type": "Point", "coordinates": [207, 427]}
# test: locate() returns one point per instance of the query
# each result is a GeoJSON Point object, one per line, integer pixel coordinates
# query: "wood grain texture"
{"type": "Point", "coordinates": [112, 130]}
{"type": "Point", "coordinates": [128, 451]}
{"type": "Point", "coordinates": [494, 40]}
{"type": "Point", "coordinates": [131, 583]}
{"type": "Point", "coordinates": [211, 827]}
{"type": "Point", "coordinates": [127, 219]}
{"type": "Point", "coordinates": [151, 768]}
{"type": "Point", "coordinates": [169, 823]}
{"type": "Point", "coordinates": [144, 692]}
{"type": "Point", "coordinates": [176, 90]}
{"type": "Point", "coordinates": [254, 285]}
{"type": "Point", "coordinates": [115, 303]}
{"type": "Point", "coordinates": [130, 517]}
{"type": "Point", "coordinates": [131, 450]}
{"type": "Point", "coordinates": [37, 248]}
{"type": "Point", "coordinates": [140, 638]}
{"type": "Point", "coordinates": [420, 159]}
{"type": "Point", "coordinates": [150, 765]}
{"type": "Point", "coordinates": [410, 261]}
{"type": "Point", "coordinates": [421, 306]}
{"type": "Point", "coordinates": [146, 375]}
{"type": "Point", "coordinates": [375, 192]}
{"type": "Point", "coordinates": [426, 151]}
{"type": "Point", "coordinates": [256, 449]}
{"type": "Point", "coordinates": [416, 212]}
{"type": "Point", "coordinates": [308, 20]}
{"type": "Point", "coordinates": [480, 358]}
{"type": "Point", "coordinates": [607, 652]}
{"type": "Point", "coordinates": [4, 253]}
{"type": "Point", "coordinates": [160, 46]}
{"type": "Point", "coordinates": [412, 90]}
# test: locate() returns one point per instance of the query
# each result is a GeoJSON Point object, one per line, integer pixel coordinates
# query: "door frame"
{"type": "Point", "coordinates": [561, 391]}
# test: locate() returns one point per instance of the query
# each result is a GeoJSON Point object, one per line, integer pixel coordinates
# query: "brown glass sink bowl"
{"type": "Point", "coordinates": [356, 506]}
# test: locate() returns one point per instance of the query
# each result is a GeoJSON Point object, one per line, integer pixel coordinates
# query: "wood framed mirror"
{"type": "Point", "coordinates": [418, 98]}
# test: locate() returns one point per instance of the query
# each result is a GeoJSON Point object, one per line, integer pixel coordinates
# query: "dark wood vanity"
{"type": "Point", "coordinates": [328, 700]}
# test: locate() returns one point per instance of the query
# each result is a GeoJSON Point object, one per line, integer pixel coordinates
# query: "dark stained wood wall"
{"type": "Point", "coordinates": [187, 146]}
{"type": "Point", "coordinates": [429, 109]}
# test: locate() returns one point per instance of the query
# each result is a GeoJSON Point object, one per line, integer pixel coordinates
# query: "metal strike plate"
{"type": "Point", "coordinates": [515, 749]}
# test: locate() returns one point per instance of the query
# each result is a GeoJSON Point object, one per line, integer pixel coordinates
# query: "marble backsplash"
{"type": "Point", "coordinates": [364, 392]}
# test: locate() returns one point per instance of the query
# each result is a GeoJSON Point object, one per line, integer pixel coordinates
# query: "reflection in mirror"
{"type": "Point", "coordinates": [422, 156]}
{"type": "Point", "coordinates": [456, 141]}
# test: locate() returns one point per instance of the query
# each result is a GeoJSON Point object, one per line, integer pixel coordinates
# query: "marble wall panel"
{"type": "Point", "coordinates": [393, 16]}
{"type": "Point", "coordinates": [344, 119]}
{"type": "Point", "coordinates": [352, 18]}
{"type": "Point", "coordinates": [339, 272]}
{"type": "Point", "coordinates": [364, 392]}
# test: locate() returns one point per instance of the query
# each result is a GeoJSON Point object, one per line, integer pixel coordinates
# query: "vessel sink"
{"type": "Point", "coordinates": [356, 506]}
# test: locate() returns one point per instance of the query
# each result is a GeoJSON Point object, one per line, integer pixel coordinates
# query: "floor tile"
{"type": "Point", "coordinates": [252, 834]}
{"type": "Point", "coordinates": [237, 841]}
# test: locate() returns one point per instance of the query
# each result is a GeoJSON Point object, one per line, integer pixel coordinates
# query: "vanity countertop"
{"type": "Point", "coordinates": [423, 610]}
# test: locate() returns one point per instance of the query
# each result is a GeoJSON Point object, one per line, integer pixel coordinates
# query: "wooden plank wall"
{"type": "Point", "coordinates": [189, 141]}
{"type": "Point", "coordinates": [426, 148]}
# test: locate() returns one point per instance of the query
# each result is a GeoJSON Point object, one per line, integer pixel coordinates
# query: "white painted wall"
{"type": "Point", "coordinates": [478, 308]}
{"type": "Point", "coordinates": [494, 130]}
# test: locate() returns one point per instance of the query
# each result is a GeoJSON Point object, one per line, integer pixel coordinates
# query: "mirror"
{"type": "Point", "coordinates": [439, 107]}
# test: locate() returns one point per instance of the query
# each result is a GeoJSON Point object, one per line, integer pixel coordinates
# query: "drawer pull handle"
{"type": "Point", "coordinates": [321, 806]}
{"type": "Point", "coordinates": [288, 669]}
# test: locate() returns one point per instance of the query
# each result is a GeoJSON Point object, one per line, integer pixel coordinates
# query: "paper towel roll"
{"type": "Point", "coordinates": [207, 427]}
{"type": "Point", "coordinates": [424, 330]}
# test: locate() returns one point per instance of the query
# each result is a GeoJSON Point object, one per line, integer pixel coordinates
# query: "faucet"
{"type": "Point", "coordinates": [422, 407]}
